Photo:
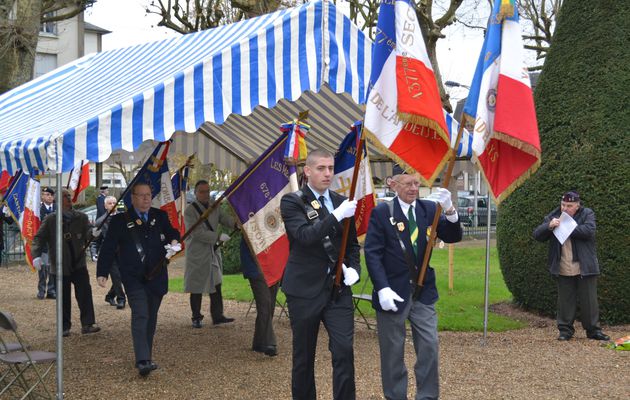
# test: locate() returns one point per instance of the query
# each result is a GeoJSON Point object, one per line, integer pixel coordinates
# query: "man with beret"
{"type": "Point", "coordinates": [46, 284]}
{"type": "Point", "coordinates": [574, 264]}
{"type": "Point", "coordinates": [100, 201]}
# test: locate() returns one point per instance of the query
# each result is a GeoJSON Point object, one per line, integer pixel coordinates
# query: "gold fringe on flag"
{"type": "Point", "coordinates": [424, 121]}
{"type": "Point", "coordinates": [506, 10]}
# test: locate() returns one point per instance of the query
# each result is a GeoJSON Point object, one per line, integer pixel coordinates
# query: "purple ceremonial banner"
{"type": "Point", "coordinates": [262, 181]}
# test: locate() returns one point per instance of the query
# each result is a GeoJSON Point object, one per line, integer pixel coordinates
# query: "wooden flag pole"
{"type": "Point", "coordinates": [438, 212]}
{"type": "Point", "coordinates": [346, 223]}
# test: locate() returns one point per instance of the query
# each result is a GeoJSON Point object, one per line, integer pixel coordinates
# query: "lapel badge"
{"type": "Point", "coordinates": [153, 222]}
{"type": "Point", "coordinates": [315, 204]}
{"type": "Point", "coordinates": [401, 226]}
{"type": "Point", "coordinates": [130, 225]}
{"type": "Point", "coordinates": [428, 231]}
{"type": "Point", "coordinates": [138, 221]}
{"type": "Point", "coordinates": [392, 221]}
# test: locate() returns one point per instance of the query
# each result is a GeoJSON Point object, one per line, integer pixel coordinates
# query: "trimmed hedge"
{"type": "Point", "coordinates": [582, 101]}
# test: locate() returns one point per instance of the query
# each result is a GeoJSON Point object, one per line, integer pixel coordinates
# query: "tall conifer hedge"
{"type": "Point", "coordinates": [583, 108]}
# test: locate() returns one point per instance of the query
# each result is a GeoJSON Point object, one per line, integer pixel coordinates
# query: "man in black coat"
{"type": "Point", "coordinates": [46, 286]}
{"type": "Point", "coordinates": [100, 201]}
{"type": "Point", "coordinates": [574, 264]}
{"type": "Point", "coordinates": [312, 218]}
{"type": "Point", "coordinates": [140, 239]}
{"type": "Point", "coordinates": [394, 269]}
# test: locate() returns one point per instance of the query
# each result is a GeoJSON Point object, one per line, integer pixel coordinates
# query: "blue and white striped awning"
{"type": "Point", "coordinates": [120, 98]}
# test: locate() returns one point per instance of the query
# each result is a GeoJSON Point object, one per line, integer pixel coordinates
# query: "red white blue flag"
{"type": "Point", "coordinates": [506, 143]}
{"type": "Point", "coordinates": [23, 201]}
{"type": "Point", "coordinates": [155, 173]}
{"type": "Point", "coordinates": [255, 197]}
{"type": "Point", "coordinates": [344, 169]}
{"type": "Point", "coordinates": [179, 183]}
{"type": "Point", "coordinates": [79, 179]}
{"type": "Point", "coordinates": [403, 114]}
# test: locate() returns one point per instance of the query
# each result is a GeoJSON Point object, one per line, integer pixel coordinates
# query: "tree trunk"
{"type": "Point", "coordinates": [18, 42]}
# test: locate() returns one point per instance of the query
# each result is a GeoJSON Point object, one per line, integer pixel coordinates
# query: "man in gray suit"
{"type": "Point", "coordinates": [312, 218]}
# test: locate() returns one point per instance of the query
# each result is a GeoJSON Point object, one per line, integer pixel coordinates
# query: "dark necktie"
{"type": "Point", "coordinates": [413, 230]}
{"type": "Point", "coordinates": [322, 201]}
{"type": "Point", "coordinates": [144, 217]}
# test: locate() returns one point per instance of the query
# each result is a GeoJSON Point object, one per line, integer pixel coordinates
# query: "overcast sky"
{"type": "Point", "coordinates": [130, 25]}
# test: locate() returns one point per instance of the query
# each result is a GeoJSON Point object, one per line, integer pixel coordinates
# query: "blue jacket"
{"type": "Point", "coordinates": [119, 242]}
{"type": "Point", "coordinates": [385, 259]}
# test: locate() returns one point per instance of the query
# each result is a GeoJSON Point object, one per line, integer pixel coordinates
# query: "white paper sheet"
{"type": "Point", "coordinates": [566, 227]}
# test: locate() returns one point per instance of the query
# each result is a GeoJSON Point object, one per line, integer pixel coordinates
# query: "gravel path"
{"type": "Point", "coordinates": [217, 363]}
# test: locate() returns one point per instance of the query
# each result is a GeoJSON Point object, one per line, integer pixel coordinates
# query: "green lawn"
{"type": "Point", "coordinates": [461, 310]}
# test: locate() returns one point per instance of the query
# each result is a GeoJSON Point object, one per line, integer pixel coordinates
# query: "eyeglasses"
{"type": "Point", "coordinates": [143, 195]}
{"type": "Point", "coordinates": [408, 184]}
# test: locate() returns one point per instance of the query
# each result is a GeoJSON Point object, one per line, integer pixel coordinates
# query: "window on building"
{"type": "Point", "coordinates": [44, 63]}
{"type": "Point", "coordinates": [48, 27]}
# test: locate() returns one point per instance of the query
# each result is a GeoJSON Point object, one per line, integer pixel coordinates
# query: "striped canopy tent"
{"type": "Point", "coordinates": [234, 84]}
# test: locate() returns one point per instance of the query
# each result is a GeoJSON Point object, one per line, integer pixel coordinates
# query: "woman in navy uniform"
{"type": "Point", "coordinates": [140, 239]}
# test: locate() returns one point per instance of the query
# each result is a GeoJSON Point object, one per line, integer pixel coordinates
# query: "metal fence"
{"type": "Point", "coordinates": [13, 247]}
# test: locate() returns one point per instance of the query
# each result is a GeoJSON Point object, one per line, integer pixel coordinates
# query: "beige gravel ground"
{"type": "Point", "coordinates": [217, 363]}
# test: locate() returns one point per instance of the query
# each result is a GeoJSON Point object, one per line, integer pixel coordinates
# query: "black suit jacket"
{"type": "Point", "coordinates": [307, 270]}
{"type": "Point", "coordinates": [119, 242]}
{"type": "Point", "coordinates": [385, 259]}
{"type": "Point", "coordinates": [100, 205]}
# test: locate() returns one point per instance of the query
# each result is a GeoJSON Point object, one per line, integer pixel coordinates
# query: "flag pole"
{"type": "Point", "coordinates": [346, 223]}
{"type": "Point", "coordinates": [487, 273]}
{"type": "Point", "coordinates": [438, 211]}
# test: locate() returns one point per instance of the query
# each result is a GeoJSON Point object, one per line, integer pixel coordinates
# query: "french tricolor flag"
{"type": "Point", "coordinates": [506, 143]}
{"type": "Point", "coordinates": [79, 179]}
{"type": "Point", "coordinates": [255, 197]}
{"type": "Point", "coordinates": [344, 170]}
{"type": "Point", "coordinates": [403, 115]}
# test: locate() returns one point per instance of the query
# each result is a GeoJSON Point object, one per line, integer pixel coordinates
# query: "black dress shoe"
{"type": "Point", "coordinates": [599, 335]}
{"type": "Point", "coordinates": [51, 296]}
{"type": "Point", "coordinates": [270, 351]}
{"type": "Point", "coordinates": [66, 333]}
{"type": "Point", "coordinates": [196, 322]}
{"type": "Point", "coordinates": [120, 304]}
{"type": "Point", "coordinates": [40, 296]}
{"type": "Point", "coordinates": [564, 337]}
{"type": "Point", "coordinates": [222, 320]}
{"type": "Point", "coordinates": [144, 368]}
{"type": "Point", "coordinates": [90, 329]}
{"type": "Point", "coordinates": [154, 365]}
{"type": "Point", "coordinates": [111, 301]}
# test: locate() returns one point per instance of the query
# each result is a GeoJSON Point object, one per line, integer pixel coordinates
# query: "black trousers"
{"type": "Point", "coordinates": [117, 289]}
{"type": "Point", "coordinates": [216, 304]}
{"type": "Point", "coordinates": [265, 298]}
{"type": "Point", "coordinates": [83, 293]}
{"type": "Point", "coordinates": [144, 311]}
{"type": "Point", "coordinates": [338, 319]}
{"type": "Point", "coordinates": [571, 291]}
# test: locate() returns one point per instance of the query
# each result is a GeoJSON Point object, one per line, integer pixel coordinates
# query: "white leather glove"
{"type": "Point", "coordinates": [96, 232]}
{"type": "Point", "coordinates": [443, 196]}
{"type": "Point", "coordinates": [224, 237]}
{"type": "Point", "coordinates": [386, 297]}
{"type": "Point", "coordinates": [95, 258]}
{"type": "Point", "coordinates": [345, 209]}
{"type": "Point", "coordinates": [172, 249]}
{"type": "Point", "coordinates": [350, 275]}
{"type": "Point", "coordinates": [37, 263]}
{"type": "Point", "coordinates": [6, 212]}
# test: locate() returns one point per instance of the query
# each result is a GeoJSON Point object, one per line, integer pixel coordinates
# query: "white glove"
{"type": "Point", "coordinates": [95, 258]}
{"type": "Point", "coordinates": [443, 196]}
{"type": "Point", "coordinates": [345, 209]}
{"type": "Point", "coordinates": [6, 212]}
{"type": "Point", "coordinates": [172, 249]}
{"type": "Point", "coordinates": [96, 232]}
{"type": "Point", "coordinates": [224, 237]}
{"type": "Point", "coordinates": [37, 263]}
{"type": "Point", "coordinates": [386, 297]}
{"type": "Point", "coordinates": [350, 275]}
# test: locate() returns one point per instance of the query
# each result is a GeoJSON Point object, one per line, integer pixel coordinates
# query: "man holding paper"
{"type": "Point", "coordinates": [570, 230]}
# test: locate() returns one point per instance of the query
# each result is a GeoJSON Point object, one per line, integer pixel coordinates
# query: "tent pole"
{"type": "Point", "coordinates": [487, 274]}
{"type": "Point", "coordinates": [59, 279]}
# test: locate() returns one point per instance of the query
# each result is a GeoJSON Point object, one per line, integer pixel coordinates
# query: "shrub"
{"type": "Point", "coordinates": [581, 102]}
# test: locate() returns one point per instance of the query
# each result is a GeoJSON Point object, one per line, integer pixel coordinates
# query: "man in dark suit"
{"type": "Point", "coordinates": [140, 239]}
{"type": "Point", "coordinates": [394, 249]}
{"type": "Point", "coordinates": [46, 286]}
{"type": "Point", "coordinates": [100, 201]}
{"type": "Point", "coordinates": [312, 218]}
